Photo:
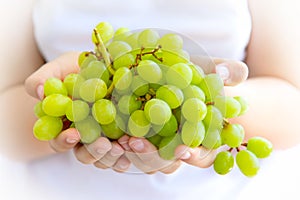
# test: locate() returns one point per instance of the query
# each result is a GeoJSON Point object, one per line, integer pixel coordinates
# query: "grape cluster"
{"type": "Point", "coordinates": [144, 84]}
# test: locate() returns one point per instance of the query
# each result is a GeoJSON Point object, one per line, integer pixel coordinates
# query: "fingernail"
{"type": "Point", "coordinates": [116, 151]}
{"type": "Point", "coordinates": [137, 145]}
{"type": "Point", "coordinates": [223, 71]}
{"type": "Point", "coordinates": [71, 140]}
{"type": "Point", "coordinates": [186, 155]}
{"type": "Point", "coordinates": [40, 92]}
{"type": "Point", "coordinates": [123, 165]}
{"type": "Point", "coordinates": [105, 147]}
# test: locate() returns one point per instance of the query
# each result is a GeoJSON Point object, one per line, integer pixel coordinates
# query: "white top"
{"type": "Point", "coordinates": [222, 26]}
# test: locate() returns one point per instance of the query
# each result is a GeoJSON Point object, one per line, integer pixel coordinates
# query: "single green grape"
{"type": "Point", "coordinates": [124, 60]}
{"type": "Point", "coordinates": [233, 135]}
{"type": "Point", "coordinates": [168, 145]}
{"type": "Point", "coordinates": [138, 124]}
{"type": "Point", "coordinates": [77, 110]}
{"type": "Point", "coordinates": [194, 110]}
{"type": "Point", "coordinates": [212, 139]}
{"type": "Point", "coordinates": [38, 110]}
{"type": "Point", "coordinates": [105, 30]}
{"type": "Point", "coordinates": [213, 118]}
{"type": "Point", "coordinates": [180, 75]}
{"type": "Point", "coordinates": [73, 82]}
{"type": "Point", "coordinates": [122, 78]}
{"type": "Point", "coordinates": [92, 90]}
{"type": "Point", "coordinates": [244, 104]}
{"type": "Point", "coordinates": [96, 69]}
{"type": "Point", "coordinates": [212, 86]}
{"type": "Point", "coordinates": [149, 71]}
{"type": "Point", "coordinates": [223, 163]}
{"type": "Point", "coordinates": [228, 106]}
{"type": "Point", "coordinates": [148, 38]}
{"type": "Point", "coordinates": [157, 111]}
{"type": "Point", "coordinates": [193, 91]}
{"type": "Point", "coordinates": [198, 74]}
{"type": "Point", "coordinates": [261, 147]}
{"type": "Point", "coordinates": [128, 104]}
{"type": "Point", "coordinates": [167, 129]}
{"type": "Point", "coordinates": [118, 48]}
{"type": "Point", "coordinates": [171, 41]}
{"type": "Point", "coordinates": [55, 105]}
{"type": "Point", "coordinates": [89, 130]}
{"type": "Point", "coordinates": [192, 134]}
{"type": "Point", "coordinates": [104, 111]}
{"type": "Point", "coordinates": [115, 129]}
{"type": "Point", "coordinates": [54, 86]}
{"type": "Point", "coordinates": [132, 40]}
{"type": "Point", "coordinates": [121, 34]}
{"type": "Point", "coordinates": [47, 128]}
{"type": "Point", "coordinates": [85, 58]}
{"type": "Point", "coordinates": [171, 94]}
{"type": "Point", "coordinates": [173, 57]}
{"type": "Point", "coordinates": [247, 162]}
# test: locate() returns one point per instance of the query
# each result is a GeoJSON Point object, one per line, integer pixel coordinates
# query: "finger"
{"type": "Point", "coordinates": [112, 156]}
{"type": "Point", "coordinates": [90, 153]}
{"type": "Point", "coordinates": [123, 141]}
{"type": "Point", "coordinates": [65, 141]}
{"type": "Point", "coordinates": [138, 163]}
{"type": "Point", "coordinates": [232, 72]}
{"type": "Point", "coordinates": [122, 164]}
{"type": "Point", "coordinates": [172, 167]}
{"type": "Point", "coordinates": [59, 68]}
{"type": "Point", "coordinates": [199, 157]}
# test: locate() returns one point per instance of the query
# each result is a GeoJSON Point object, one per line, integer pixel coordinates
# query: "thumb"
{"type": "Point", "coordinates": [59, 68]}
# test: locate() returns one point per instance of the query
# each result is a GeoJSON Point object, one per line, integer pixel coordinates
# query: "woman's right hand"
{"type": "Point", "coordinates": [102, 153]}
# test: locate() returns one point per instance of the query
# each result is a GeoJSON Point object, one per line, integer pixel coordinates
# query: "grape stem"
{"type": "Point", "coordinates": [139, 57]}
{"type": "Point", "coordinates": [101, 48]}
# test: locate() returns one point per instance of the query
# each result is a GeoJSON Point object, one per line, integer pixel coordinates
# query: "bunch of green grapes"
{"type": "Point", "coordinates": [144, 84]}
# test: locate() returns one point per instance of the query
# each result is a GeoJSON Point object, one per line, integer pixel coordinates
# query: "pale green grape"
{"type": "Point", "coordinates": [105, 30]}
{"type": "Point", "coordinates": [132, 40]}
{"type": "Point", "coordinates": [244, 104]}
{"type": "Point", "coordinates": [194, 110]}
{"type": "Point", "coordinates": [157, 111]}
{"type": "Point", "coordinates": [247, 162]}
{"type": "Point", "coordinates": [167, 129]}
{"type": "Point", "coordinates": [212, 139]}
{"type": "Point", "coordinates": [121, 34]}
{"type": "Point", "coordinates": [47, 127]}
{"type": "Point", "coordinates": [77, 110]}
{"type": "Point", "coordinates": [88, 129]}
{"type": "Point", "coordinates": [179, 75]}
{"type": "Point", "coordinates": [173, 57]}
{"type": "Point", "coordinates": [55, 105]}
{"type": "Point", "coordinates": [104, 111]}
{"type": "Point", "coordinates": [233, 135]}
{"type": "Point", "coordinates": [138, 125]}
{"type": "Point", "coordinates": [118, 48]}
{"type": "Point", "coordinates": [213, 118]}
{"type": "Point", "coordinates": [122, 78]}
{"type": "Point", "coordinates": [54, 86]}
{"type": "Point", "coordinates": [192, 134]}
{"type": "Point", "coordinates": [148, 38]}
{"type": "Point", "coordinates": [96, 69]}
{"type": "Point", "coordinates": [115, 129]}
{"type": "Point", "coordinates": [73, 82]}
{"type": "Point", "coordinates": [168, 145]}
{"type": "Point", "coordinates": [128, 104]}
{"type": "Point", "coordinates": [193, 91]}
{"type": "Point", "coordinates": [124, 60]}
{"type": "Point", "coordinates": [139, 86]}
{"type": "Point", "coordinates": [85, 58]}
{"type": "Point", "coordinates": [149, 71]}
{"type": "Point", "coordinates": [212, 86]}
{"type": "Point", "coordinates": [261, 147]}
{"type": "Point", "coordinates": [223, 163]}
{"type": "Point", "coordinates": [171, 94]}
{"type": "Point", "coordinates": [38, 110]}
{"type": "Point", "coordinates": [171, 41]}
{"type": "Point", "coordinates": [198, 74]}
{"type": "Point", "coordinates": [92, 90]}
{"type": "Point", "coordinates": [228, 106]}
